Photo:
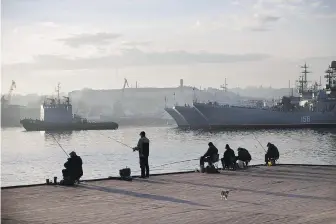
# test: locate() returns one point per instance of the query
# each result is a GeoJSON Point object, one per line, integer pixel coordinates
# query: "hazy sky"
{"type": "Point", "coordinates": [96, 43]}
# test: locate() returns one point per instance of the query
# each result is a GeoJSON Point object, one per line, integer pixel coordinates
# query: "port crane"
{"type": "Point", "coordinates": [125, 84]}
{"type": "Point", "coordinates": [118, 106]}
{"type": "Point", "coordinates": [9, 94]}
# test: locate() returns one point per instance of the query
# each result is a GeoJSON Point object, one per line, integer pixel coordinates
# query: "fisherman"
{"type": "Point", "coordinates": [143, 148]}
{"type": "Point", "coordinates": [272, 153]}
{"type": "Point", "coordinates": [73, 169]}
{"type": "Point", "coordinates": [244, 155]}
{"type": "Point", "coordinates": [209, 155]}
{"type": "Point", "coordinates": [229, 158]}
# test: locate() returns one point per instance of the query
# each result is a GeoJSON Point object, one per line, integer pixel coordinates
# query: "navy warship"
{"type": "Point", "coordinates": [313, 108]}
{"type": "Point", "coordinates": [56, 115]}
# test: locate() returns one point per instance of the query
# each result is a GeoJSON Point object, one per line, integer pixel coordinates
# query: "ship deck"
{"type": "Point", "coordinates": [260, 194]}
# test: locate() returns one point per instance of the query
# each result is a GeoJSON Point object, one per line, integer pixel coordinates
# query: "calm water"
{"type": "Point", "coordinates": [31, 157]}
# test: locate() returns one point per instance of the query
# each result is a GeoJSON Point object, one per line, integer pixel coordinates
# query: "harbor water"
{"type": "Point", "coordinates": [31, 157]}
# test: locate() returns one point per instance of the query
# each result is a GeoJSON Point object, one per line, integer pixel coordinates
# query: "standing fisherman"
{"type": "Point", "coordinates": [143, 148]}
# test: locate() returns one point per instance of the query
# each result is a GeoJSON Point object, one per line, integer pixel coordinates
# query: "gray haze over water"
{"type": "Point", "coordinates": [31, 157]}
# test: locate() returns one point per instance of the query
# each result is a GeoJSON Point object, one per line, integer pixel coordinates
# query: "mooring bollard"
{"type": "Point", "coordinates": [47, 181]}
{"type": "Point", "coordinates": [55, 180]}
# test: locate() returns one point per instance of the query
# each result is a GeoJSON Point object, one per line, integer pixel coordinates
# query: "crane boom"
{"type": "Point", "coordinates": [9, 94]}
{"type": "Point", "coordinates": [125, 83]}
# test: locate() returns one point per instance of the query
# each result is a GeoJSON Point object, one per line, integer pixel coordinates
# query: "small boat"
{"type": "Point", "coordinates": [57, 116]}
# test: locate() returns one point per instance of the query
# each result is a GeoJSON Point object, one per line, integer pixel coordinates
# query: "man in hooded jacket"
{"type": "Point", "coordinates": [73, 169]}
{"type": "Point", "coordinates": [272, 153]}
{"type": "Point", "coordinates": [244, 155]}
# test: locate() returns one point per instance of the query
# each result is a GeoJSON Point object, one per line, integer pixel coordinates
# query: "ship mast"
{"type": "Point", "coordinates": [303, 82]}
{"type": "Point", "coordinates": [331, 77]}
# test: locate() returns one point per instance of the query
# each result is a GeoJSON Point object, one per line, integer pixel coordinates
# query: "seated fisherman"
{"type": "Point", "coordinates": [209, 155]}
{"type": "Point", "coordinates": [229, 158]}
{"type": "Point", "coordinates": [244, 155]}
{"type": "Point", "coordinates": [73, 169]}
{"type": "Point", "coordinates": [272, 153]}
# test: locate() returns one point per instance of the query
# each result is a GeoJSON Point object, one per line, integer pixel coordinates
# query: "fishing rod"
{"type": "Point", "coordinates": [60, 145]}
{"type": "Point", "coordinates": [120, 142]}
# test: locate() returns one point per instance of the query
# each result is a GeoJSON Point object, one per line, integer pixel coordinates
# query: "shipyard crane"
{"type": "Point", "coordinates": [125, 83]}
{"type": "Point", "coordinates": [9, 94]}
{"type": "Point", "coordinates": [117, 106]}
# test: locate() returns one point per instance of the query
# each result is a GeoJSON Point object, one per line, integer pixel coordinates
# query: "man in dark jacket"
{"type": "Point", "coordinates": [244, 155]}
{"type": "Point", "coordinates": [272, 153]}
{"type": "Point", "coordinates": [209, 155]}
{"type": "Point", "coordinates": [73, 169]}
{"type": "Point", "coordinates": [143, 148]}
{"type": "Point", "coordinates": [229, 158]}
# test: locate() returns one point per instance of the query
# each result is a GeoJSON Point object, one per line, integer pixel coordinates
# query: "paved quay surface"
{"type": "Point", "coordinates": [280, 194]}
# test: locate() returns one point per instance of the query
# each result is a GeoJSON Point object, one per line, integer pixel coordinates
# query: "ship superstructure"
{"type": "Point", "coordinates": [54, 110]}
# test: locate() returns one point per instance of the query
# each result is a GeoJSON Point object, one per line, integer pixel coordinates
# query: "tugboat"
{"type": "Point", "coordinates": [57, 116]}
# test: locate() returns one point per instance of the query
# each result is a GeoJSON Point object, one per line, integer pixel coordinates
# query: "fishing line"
{"type": "Point", "coordinates": [182, 161]}
{"type": "Point", "coordinates": [166, 164]}
{"type": "Point", "coordinates": [259, 142]}
{"type": "Point", "coordinates": [59, 145]}
{"type": "Point", "coordinates": [67, 153]}
{"type": "Point", "coordinates": [120, 142]}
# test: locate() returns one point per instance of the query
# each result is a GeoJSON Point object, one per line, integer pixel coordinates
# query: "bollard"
{"type": "Point", "coordinates": [47, 181]}
{"type": "Point", "coordinates": [55, 180]}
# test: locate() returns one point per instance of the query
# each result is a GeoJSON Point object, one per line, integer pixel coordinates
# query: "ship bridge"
{"type": "Point", "coordinates": [53, 110]}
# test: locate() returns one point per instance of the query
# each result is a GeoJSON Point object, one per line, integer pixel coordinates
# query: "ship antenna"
{"type": "Point", "coordinates": [303, 79]}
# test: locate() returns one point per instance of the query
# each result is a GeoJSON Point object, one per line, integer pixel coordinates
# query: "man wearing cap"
{"type": "Point", "coordinates": [73, 169]}
{"type": "Point", "coordinates": [143, 148]}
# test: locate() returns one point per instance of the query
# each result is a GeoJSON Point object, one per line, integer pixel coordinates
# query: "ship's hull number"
{"type": "Point", "coordinates": [305, 119]}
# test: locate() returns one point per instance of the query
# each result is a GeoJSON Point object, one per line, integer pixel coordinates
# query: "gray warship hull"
{"type": "Point", "coordinates": [179, 119]}
{"type": "Point", "coordinates": [194, 118]}
{"type": "Point", "coordinates": [219, 117]}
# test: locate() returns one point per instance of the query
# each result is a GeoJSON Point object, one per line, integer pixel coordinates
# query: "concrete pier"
{"type": "Point", "coordinates": [260, 194]}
